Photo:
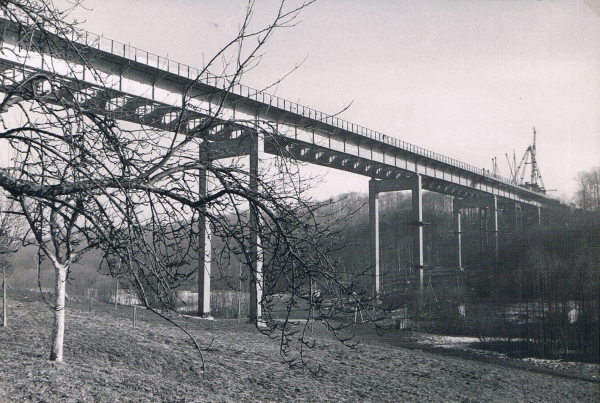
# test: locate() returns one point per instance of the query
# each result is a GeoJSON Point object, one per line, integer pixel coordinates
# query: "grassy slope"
{"type": "Point", "coordinates": [107, 360]}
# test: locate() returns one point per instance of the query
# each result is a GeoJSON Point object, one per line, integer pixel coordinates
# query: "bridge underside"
{"type": "Point", "coordinates": [392, 171]}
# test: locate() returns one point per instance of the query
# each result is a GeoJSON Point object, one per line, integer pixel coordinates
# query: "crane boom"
{"type": "Point", "coordinates": [530, 158]}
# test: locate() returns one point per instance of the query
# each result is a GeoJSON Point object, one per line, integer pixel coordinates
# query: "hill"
{"type": "Point", "coordinates": [108, 360]}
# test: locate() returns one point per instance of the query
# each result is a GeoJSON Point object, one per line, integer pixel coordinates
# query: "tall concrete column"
{"type": "Point", "coordinates": [486, 227]}
{"type": "Point", "coordinates": [204, 250]}
{"type": "Point", "coordinates": [481, 236]}
{"type": "Point", "coordinates": [457, 224]}
{"type": "Point", "coordinates": [518, 217]}
{"type": "Point", "coordinates": [256, 253]}
{"type": "Point", "coordinates": [374, 232]}
{"type": "Point", "coordinates": [417, 221]}
{"type": "Point", "coordinates": [495, 207]}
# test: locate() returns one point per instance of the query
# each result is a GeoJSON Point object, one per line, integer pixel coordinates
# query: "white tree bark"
{"type": "Point", "coordinates": [58, 328]}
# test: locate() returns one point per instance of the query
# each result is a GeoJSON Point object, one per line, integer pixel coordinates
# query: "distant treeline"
{"type": "Point", "coordinates": [541, 295]}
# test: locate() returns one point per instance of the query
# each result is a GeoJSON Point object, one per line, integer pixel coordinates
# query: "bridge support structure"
{"type": "Point", "coordinates": [374, 233]}
{"type": "Point", "coordinates": [252, 144]}
{"type": "Point", "coordinates": [458, 232]}
{"type": "Point", "coordinates": [257, 148]}
{"type": "Point", "coordinates": [204, 247]}
{"type": "Point", "coordinates": [484, 205]}
{"type": "Point", "coordinates": [494, 206]}
{"type": "Point", "coordinates": [376, 186]}
{"type": "Point", "coordinates": [518, 212]}
{"type": "Point", "coordinates": [416, 187]}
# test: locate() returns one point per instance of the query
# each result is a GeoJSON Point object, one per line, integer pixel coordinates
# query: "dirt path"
{"type": "Point", "coordinates": [107, 360]}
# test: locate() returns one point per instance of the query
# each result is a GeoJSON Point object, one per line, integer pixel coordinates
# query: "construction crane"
{"type": "Point", "coordinates": [517, 172]}
{"type": "Point", "coordinates": [495, 169]}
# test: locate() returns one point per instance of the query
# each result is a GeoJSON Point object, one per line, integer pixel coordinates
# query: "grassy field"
{"type": "Point", "coordinates": [108, 360]}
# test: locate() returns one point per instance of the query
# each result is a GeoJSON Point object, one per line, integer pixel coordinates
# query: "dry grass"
{"type": "Point", "coordinates": [107, 360]}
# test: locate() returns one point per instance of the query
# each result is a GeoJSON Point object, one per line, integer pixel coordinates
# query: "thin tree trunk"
{"type": "Point", "coordinates": [58, 329]}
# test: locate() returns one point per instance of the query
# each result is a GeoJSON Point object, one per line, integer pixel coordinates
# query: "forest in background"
{"type": "Point", "coordinates": [540, 298]}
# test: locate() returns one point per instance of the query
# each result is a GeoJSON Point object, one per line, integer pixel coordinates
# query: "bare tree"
{"type": "Point", "coordinates": [94, 171]}
{"type": "Point", "coordinates": [587, 195]}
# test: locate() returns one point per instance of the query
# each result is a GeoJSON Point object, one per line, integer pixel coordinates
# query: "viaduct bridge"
{"type": "Point", "coordinates": [145, 88]}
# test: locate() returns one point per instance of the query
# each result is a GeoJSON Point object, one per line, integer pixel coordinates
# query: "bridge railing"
{"type": "Point", "coordinates": [204, 76]}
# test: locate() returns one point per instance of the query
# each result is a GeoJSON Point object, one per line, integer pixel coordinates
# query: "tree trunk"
{"type": "Point", "coordinates": [58, 328]}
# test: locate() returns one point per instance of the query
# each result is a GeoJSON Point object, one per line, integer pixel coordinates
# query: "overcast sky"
{"type": "Point", "coordinates": [467, 79]}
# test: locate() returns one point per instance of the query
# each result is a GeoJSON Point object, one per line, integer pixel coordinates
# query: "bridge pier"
{"type": "Point", "coordinates": [374, 233]}
{"type": "Point", "coordinates": [256, 268]}
{"type": "Point", "coordinates": [416, 184]}
{"type": "Point", "coordinates": [484, 205]}
{"type": "Point", "coordinates": [518, 217]}
{"type": "Point", "coordinates": [376, 186]}
{"type": "Point", "coordinates": [496, 233]}
{"type": "Point", "coordinates": [204, 249]}
{"type": "Point", "coordinates": [483, 229]}
{"type": "Point", "coordinates": [253, 145]}
{"type": "Point", "coordinates": [458, 232]}
{"type": "Point", "coordinates": [517, 214]}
